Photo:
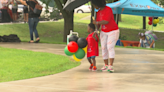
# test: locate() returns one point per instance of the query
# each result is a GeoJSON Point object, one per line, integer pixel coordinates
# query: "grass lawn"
{"type": "Point", "coordinates": [128, 21]}
{"type": "Point", "coordinates": [52, 32]}
{"type": "Point", "coordinates": [22, 64]}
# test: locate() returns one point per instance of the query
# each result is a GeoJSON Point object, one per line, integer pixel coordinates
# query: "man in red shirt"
{"type": "Point", "coordinates": [109, 32]}
{"type": "Point", "coordinates": [92, 49]}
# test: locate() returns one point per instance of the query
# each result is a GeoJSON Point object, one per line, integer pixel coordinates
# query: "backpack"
{"type": "Point", "coordinates": [37, 9]}
{"type": "Point", "coordinates": [152, 35]}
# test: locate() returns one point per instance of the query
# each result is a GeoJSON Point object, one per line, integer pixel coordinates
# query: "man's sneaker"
{"type": "Point", "coordinates": [104, 68]}
{"type": "Point", "coordinates": [90, 68]}
{"type": "Point", "coordinates": [94, 69]}
{"type": "Point", "coordinates": [110, 69]}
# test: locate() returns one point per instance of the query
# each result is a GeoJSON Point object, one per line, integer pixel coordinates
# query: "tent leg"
{"type": "Point", "coordinates": [152, 23]}
{"type": "Point", "coordinates": [117, 19]}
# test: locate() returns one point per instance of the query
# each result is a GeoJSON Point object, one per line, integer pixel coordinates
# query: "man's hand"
{"type": "Point", "coordinates": [94, 22]}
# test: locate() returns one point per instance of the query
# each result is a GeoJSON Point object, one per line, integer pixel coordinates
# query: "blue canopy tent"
{"type": "Point", "coordinates": [137, 7]}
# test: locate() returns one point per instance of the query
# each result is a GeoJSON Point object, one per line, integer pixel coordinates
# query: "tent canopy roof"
{"type": "Point", "coordinates": [137, 7]}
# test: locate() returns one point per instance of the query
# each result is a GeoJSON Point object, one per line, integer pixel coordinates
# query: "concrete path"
{"type": "Point", "coordinates": [135, 71]}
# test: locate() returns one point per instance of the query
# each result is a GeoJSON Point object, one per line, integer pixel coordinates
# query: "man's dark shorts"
{"type": "Point", "coordinates": [14, 10]}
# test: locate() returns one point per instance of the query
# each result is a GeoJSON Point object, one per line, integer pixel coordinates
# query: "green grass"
{"type": "Point", "coordinates": [52, 32]}
{"type": "Point", "coordinates": [22, 64]}
{"type": "Point", "coordinates": [136, 22]}
{"type": "Point", "coordinates": [128, 21]}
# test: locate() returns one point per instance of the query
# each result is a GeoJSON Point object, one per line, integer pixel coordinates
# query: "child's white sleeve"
{"type": "Point", "coordinates": [140, 41]}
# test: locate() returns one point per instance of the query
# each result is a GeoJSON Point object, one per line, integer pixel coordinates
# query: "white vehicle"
{"type": "Point", "coordinates": [83, 9]}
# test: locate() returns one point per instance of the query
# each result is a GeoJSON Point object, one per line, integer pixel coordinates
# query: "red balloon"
{"type": "Point", "coordinates": [150, 18]}
{"type": "Point", "coordinates": [150, 22]}
{"type": "Point", "coordinates": [72, 46]}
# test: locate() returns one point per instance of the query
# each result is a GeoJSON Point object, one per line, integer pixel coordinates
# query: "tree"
{"type": "Point", "coordinates": [68, 17]}
{"type": "Point", "coordinates": [159, 2]}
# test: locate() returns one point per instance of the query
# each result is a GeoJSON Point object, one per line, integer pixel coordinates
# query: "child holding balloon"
{"type": "Point", "coordinates": [92, 49]}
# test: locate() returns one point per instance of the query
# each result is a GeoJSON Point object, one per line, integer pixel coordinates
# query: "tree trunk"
{"type": "Point", "coordinates": [92, 13]}
{"type": "Point", "coordinates": [68, 19]}
{"type": "Point", "coordinates": [68, 25]}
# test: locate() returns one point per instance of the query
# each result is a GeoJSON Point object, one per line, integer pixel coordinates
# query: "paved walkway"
{"type": "Point", "coordinates": [135, 71]}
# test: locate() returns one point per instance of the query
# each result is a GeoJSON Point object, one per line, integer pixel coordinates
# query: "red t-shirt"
{"type": "Point", "coordinates": [93, 48]}
{"type": "Point", "coordinates": [107, 15]}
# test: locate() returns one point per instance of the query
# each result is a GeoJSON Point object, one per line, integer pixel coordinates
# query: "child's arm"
{"type": "Point", "coordinates": [94, 36]}
{"type": "Point", "coordinates": [139, 45]}
{"type": "Point", "coordinates": [152, 44]}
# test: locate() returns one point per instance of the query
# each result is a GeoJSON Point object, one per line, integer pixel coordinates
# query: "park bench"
{"type": "Point", "coordinates": [130, 43]}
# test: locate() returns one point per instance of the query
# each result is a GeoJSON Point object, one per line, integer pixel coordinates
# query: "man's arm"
{"type": "Point", "coordinates": [23, 2]}
{"type": "Point", "coordinates": [103, 22]}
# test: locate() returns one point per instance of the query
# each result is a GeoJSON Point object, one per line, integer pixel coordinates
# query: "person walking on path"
{"type": "Point", "coordinates": [109, 32]}
{"type": "Point", "coordinates": [33, 19]}
{"type": "Point", "coordinates": [93, 48]}
{"type": "Point", "coordinates": [25, 11]}
{"type": "Point", "coordinates": [14, 9]}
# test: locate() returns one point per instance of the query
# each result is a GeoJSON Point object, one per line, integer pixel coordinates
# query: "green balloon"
{"type": "Point", "coordinates": [154, 25]}
{"type": "Point", "coordinates": [80, 53]}
{"type": "Point", "coordinates": [67, 52]}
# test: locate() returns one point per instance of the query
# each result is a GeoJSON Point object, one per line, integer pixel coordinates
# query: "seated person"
{"type": "Point", "coordinates": [146, 41]}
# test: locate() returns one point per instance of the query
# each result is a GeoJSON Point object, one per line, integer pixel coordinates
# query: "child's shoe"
{"type": "Point", "coordinates": [90, 68]}
{"type": "Point", "coordinates": [94, 68]}
{"type": "Point", "coordinates": [110, 69]}
{"type": "Point", "coordinates": [104, 68]}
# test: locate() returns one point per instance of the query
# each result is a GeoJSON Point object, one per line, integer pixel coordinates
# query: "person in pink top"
{"type": "Point", "coordinates": [92, 49]}
{"type": "Point", "coordinates": [109, 32]}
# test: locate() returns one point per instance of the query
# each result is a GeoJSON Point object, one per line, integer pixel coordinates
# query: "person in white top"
{"type": "Point", "coordinates": [146, 41]}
